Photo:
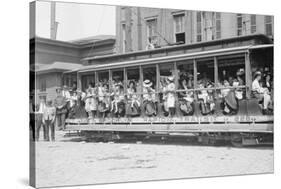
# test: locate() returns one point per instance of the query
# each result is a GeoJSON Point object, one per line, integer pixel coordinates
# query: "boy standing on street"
{"type": "Point", "coordinates": [49, 116]}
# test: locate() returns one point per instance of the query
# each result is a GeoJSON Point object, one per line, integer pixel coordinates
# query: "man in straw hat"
{"type": "Point", "coordinates": [49, 116]}
{"type": "Point", "coordinates": [261, 93]}
{"type": "Point", "coordinates": [38, 117]}
{"type": "Point", "coordinates": [61, 109]}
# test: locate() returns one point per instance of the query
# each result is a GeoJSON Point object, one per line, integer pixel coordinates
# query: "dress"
{"type": "Point", "coordinates": [103, 99]}
{"type": "Point", "coordinates": [78, 110]}
{"type": "Point", "coordinates": [133, 104]}
{"type": "Point", "coordinates": [149, 101]}
{"type": "Point", "coordinates": [186, 102]}
{"type": "Point", "coordinates": [91, 101]}
{"type": "Point", "coordinates": [171, 99]}
{"type": "Point", "coordinates": [203, 102]}
{"type": "Point", "coordinates": [118, 104]}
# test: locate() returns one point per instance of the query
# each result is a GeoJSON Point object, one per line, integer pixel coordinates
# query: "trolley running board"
{"type": "Point", "coordinates": [252, 128]}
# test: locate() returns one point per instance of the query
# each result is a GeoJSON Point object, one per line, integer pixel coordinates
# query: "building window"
{"type": "Point", "coordinates": [179, 28]}
{"type": "Point", "coordinates": [268, 25]}
{"type": "Point", "coordinates": [239, 24]}
{"type": "Point", "coordinates": [253, 21]}
{"type": "Point", "coordinates": [198, 27]}
{"type": "Point", "coordinates": [218, 25]}
{"type": "Point", "coordinates": [123, 30]}
{"type": "Point", "coordinates": [42, 84]}
{"type": "Point", "coordinates": [151, 30]}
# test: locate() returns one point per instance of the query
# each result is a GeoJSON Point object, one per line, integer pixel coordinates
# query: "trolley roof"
{"type": "Point", "coordinates": [165, 59]}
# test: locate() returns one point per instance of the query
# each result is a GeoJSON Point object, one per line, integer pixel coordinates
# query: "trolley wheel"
{"type": "Point", "coordinates": [236, 140]}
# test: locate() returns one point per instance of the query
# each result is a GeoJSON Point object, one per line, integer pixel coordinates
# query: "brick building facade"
{"type": "Point", "coordinates": [165, 27]}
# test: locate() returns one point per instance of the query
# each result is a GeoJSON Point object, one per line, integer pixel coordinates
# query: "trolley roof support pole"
{"type": "Point", "coordinates": [195, 77]}
{"type": "Point", "coordinates": [79, 81]}
{"type": "Point", "coordinates": [177, 86]}
{"type": "Point", "coordinates": [110, 79]}
{"type": "Point", "coordinates": [158, 88]}
{"type": "Point", "coordinates": [96, 78]}
{"type": "Point", "coordinates": [248, 72]}
{"type": "Point", "coordinates": [141, 88]}
{"type": "Point", "coordinates": [125, 79]}
{"type": "Point", "coordinates": [216, 73]}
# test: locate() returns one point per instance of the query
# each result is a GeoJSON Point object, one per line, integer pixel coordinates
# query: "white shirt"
{"type": "Point", "coordinates": [256, 86]}
{"type": "Point", "coordinates": [66, 94]}
{"type": "Point", "coordinates": [41, 108]}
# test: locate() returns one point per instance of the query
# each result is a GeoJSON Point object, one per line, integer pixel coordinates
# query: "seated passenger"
{"type": "Point", "coordinates": [163, 86]}
{"type": "Point", "coordinates": [118, 102]}
{"type": "Point", "coordinates": [261, 93]}
{"type": "Point", "coordinates": [239, 81]}
{"type": "Point", "coordinates": [268, 81]}
{"type": "Point", "coordinates": [91, 101]}
{"type": "Point", "coordinates": [210, 98]}
{"type": "Point", "coordinates": [149, 100]}
{"type": "Point", "coordinates": [133, 103]}
{"type": "Point", "coordinates": [104, 98]}
{"type": "Point", "coordinates": [170, 93]}
{"type": "Point", "coordinates": [240, 74]}
{"type": "Point", "coordinates": [204, 106]}
{"type": "Point", "coordinates": [78, 111]}
{"type": "Point", "coordinates": [73, 98]}
{"type": "Point", "coordinates": [238, 92]}
{"type": "Point", "coordinates": [205, 80]}
{"type": "Point", "coordinates": [186, 99]}
{"type": "Point", "coordinates": [229, 103]}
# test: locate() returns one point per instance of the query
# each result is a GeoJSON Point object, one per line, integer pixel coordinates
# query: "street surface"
{"type": "Point", "coordinates": [70, 161]}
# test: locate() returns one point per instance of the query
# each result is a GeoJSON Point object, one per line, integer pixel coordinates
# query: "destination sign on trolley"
{"type": "Point", "coordinates": [186, 119]}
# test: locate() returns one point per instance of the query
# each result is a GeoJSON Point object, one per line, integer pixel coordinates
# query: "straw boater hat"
{"type": "Point", "coordinates": [170, 78]}
{"type": "Point", "coordinates": [147, 83]}
{"type": "Point", "coordinates": [257, 74]}
{"type": "Point", "coordinates": [240, 72]}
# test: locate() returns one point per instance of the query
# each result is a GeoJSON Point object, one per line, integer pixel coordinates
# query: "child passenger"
{"type": "Point", "coordinates": [149, 100]}
{"type": "Point", "coordinates": [133, 105]}
{"type": "Point", "coordinates": [91, 101]}
{"type": "Point", "coordinates": [261, 93]}
{"type": "Point", "coordinates": [118, 104]}
{"type": "Point", "coordinates": [170, 95]}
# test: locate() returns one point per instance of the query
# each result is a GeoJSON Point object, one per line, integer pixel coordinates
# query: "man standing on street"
{"type": "Point", "coordinates": [49, 116]}
{"type": "Point", "coordinates": [61, 109]}
{"type": "Point", "coordinates": [38, 118]}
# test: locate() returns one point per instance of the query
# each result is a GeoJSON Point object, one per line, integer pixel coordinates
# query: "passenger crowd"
{"type": "Point", "coordinates": [101, 100]}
